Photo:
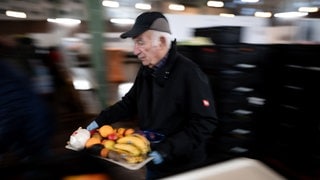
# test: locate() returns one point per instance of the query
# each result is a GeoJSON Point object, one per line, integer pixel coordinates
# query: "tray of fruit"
{"type": "Point", "coordinates": [121, 146]}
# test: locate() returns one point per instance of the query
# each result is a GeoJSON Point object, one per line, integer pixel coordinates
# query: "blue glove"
{"type": "Point", "coordinates": [157, 158]}
{"type": "Point", "coordinates": [93, 125]}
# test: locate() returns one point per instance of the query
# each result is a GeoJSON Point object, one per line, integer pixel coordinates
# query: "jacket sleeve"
{"type": "Point", "coordinates": [202, 120]}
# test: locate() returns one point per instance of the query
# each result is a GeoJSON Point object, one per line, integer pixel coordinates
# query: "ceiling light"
{"type": "Point", "coordinates": [113, 4]}
{"type": "Point", "coordinates": [122, 21]}
{"type": "Point", "coordinates": [250, 1]}
{"type": "Point", "coordinates": [142, 6]}
{"type": "Point", "coordinates": [16, 14]}
{"type": "Point", "coordinates": [308, 9]}
{"type": "Point", "coordinates": [215, 4]}
{"type": "Point", "coordinates": [290, 14]}
{"type": "Point", "coordinates": [65, 21]}
{"type": "Point", "coordinates": [263, 14]}
{"type": "Point", "coordinates": [176, 7]}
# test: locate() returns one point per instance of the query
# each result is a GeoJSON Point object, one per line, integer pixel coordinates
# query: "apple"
{"type": "Point", "coordinates": [113, 136]}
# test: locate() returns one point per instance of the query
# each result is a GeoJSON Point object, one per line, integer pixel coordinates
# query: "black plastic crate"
{"type": "Point", "coordinates": [220, 34]}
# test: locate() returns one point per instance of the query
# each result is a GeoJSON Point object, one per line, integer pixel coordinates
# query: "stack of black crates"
{"type": "Point", "coordinates": [266, 98]}
{"type": "Point", "coordinates": [292, 112]}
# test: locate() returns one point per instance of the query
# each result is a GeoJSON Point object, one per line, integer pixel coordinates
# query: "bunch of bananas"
{"type": "Point", "coordinates": [132, 148]}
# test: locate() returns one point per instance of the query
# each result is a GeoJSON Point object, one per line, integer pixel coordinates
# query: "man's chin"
{"type": "Point", "coordinates": [145, 63]}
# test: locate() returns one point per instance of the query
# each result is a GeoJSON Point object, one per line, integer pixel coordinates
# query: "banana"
{"type": "Point", "coordinates": [134, 159]}
{"type": "Point", "coordinates": [117, 155]}
{"type": "Point", "coordinates": [140, 143]}
{"type": "Point", "coordinates": [131, 149]}
{"type": "Point", "coordinates": [124, 156]}
{"type": "Point", "coordinates": [145, 140]}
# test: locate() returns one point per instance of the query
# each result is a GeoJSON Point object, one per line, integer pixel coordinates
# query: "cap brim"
{"type": "Point", "coordinates": [134, 32]}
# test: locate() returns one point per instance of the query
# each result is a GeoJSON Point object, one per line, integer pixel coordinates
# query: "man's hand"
{"type": "Point", "coordinates": [157, 158]}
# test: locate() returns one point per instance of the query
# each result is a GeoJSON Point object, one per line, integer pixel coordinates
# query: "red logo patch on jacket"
{"type": "Point", "coordinates": [205, 103]}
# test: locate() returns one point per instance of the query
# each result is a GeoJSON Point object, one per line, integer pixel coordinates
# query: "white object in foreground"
{"type": "Point", "coordinates": [240, 168]}
{"type": "Point", "coordinates": [79, 138]}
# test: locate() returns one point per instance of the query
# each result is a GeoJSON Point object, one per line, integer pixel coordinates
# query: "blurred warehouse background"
{"type": "Point", "coordinates": [260, 56]}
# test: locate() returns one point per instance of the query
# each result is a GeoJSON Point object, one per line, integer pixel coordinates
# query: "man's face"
{"type": "Point", "coordinates": [146, 49]}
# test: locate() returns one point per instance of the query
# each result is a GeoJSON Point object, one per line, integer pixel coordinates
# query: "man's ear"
{"type": "Point", "coordinates": [163, 41]}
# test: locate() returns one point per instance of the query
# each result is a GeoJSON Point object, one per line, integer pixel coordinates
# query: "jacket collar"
{"type": "Point", "coordinates": [164, 72]}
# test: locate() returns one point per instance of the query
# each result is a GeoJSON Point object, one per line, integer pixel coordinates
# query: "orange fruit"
{"type": "Point", "coordinates": [104, 152]}
{"type": "Point", "coordinates": [128, 131]}
{"type": "Point", "coordinates": [92, 141]}
{"type": "Point", "coordinates": [97, 135]}
{"type": "Point", "coordinates": [105, 130]}
{"type": "Point", "coordinates": [120, 131]}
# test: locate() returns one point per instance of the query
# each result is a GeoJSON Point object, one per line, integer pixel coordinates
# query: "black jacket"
{"type": "Point", "coordinates": [177, 101]}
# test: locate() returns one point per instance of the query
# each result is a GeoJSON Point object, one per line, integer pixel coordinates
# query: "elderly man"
{"type": "Point", "coordinates": [170, 95]}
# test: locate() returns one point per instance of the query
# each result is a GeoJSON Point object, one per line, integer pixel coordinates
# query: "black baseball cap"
{"type": "Point", "coordinates": [148, 21]}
